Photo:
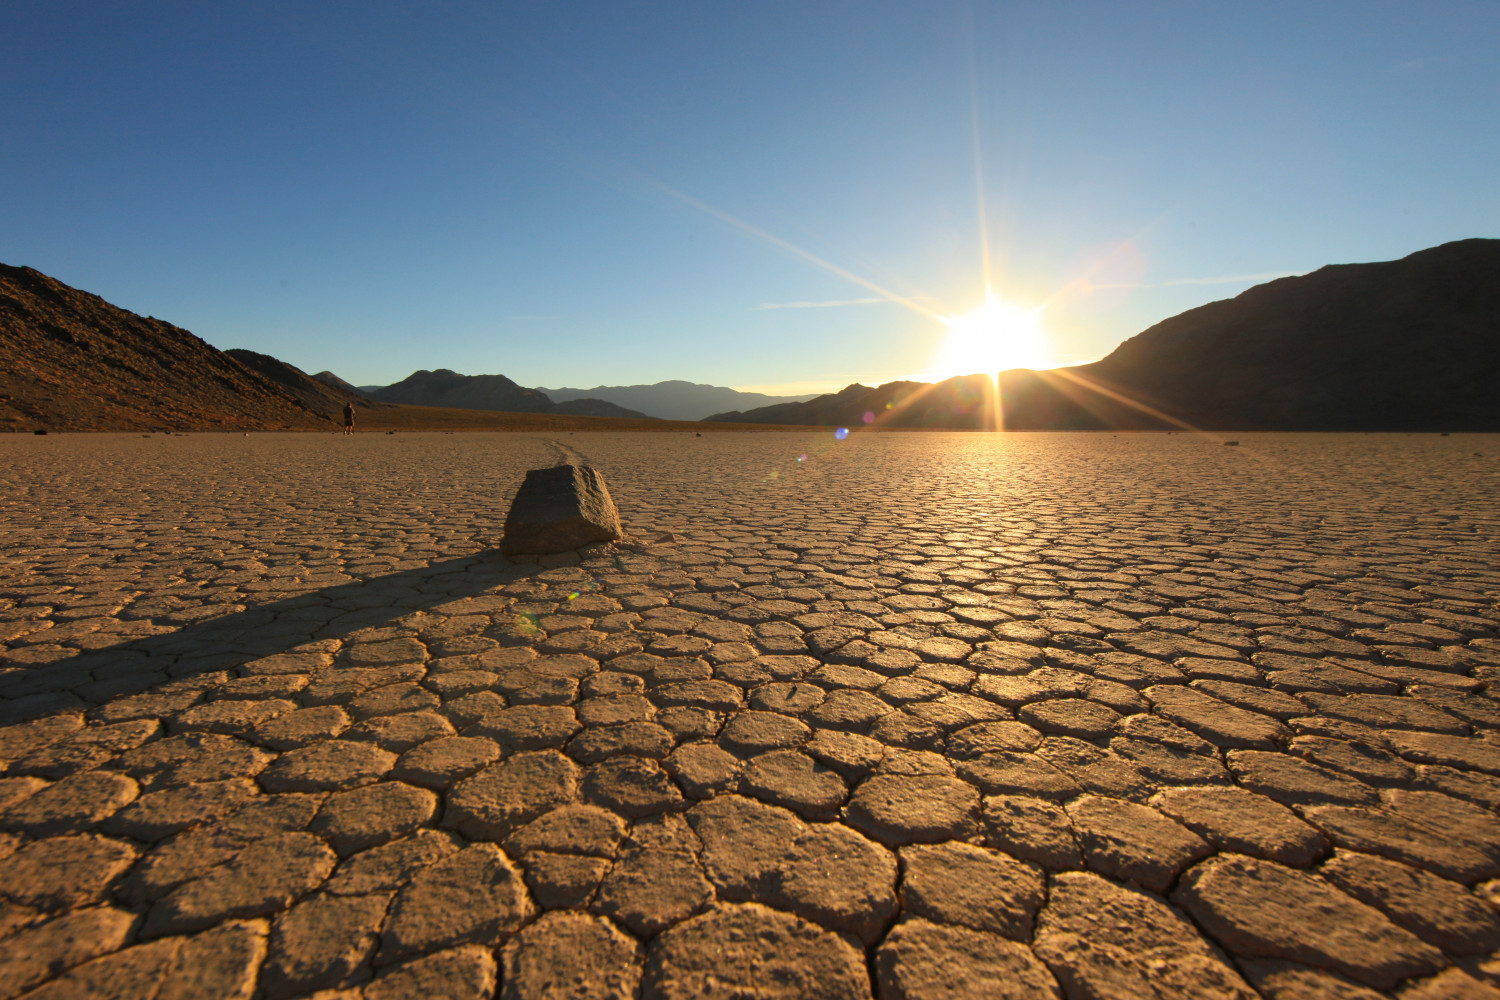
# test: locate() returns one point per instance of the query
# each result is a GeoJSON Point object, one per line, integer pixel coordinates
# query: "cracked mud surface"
{"type": "Point", "coordinates": [917, 715]}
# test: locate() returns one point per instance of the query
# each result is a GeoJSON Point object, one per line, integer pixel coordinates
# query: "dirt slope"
{"type": "Point", "coordinates": [71, 361]}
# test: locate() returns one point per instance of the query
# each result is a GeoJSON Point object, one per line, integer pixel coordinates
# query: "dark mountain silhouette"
{"type": "Point", "coordinates": [448, 388]}
{"type": "Point", "coordinates": [675, 400]}
{"type": "Point", "coordinates": [1411, 344]}
{"type": "Point", "coordinates": [596, 408]}
{"type": "Point", "coordinates": [445, 387]}
{"type": "Point", "coordinates": [1405, 345]}
{"type": "Point", "coordinates": [1029, 401]}
{"type": "Point", "coordinates": [72, 361]}
{"type": "Point", "coordinates": [848, 405]}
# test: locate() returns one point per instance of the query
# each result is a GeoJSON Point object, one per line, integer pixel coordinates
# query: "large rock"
{"type": "Point", "coordinates": [558, 509]}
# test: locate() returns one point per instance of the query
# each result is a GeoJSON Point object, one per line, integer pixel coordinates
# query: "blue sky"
{"type": "Point", "coordinates": [758, 195]}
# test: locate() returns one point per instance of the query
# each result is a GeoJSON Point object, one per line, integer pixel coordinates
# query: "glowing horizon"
{"type": "Point", "coordinates": [995, 336]}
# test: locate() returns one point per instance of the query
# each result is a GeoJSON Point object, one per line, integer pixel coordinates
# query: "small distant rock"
{"type": "Point", "coordinates": [560, 509]}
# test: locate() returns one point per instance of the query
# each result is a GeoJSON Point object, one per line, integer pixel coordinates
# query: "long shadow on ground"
{"type": "Point", "coordinates": [96, 677]}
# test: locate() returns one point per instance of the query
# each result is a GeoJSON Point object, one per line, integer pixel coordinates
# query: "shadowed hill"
{"type": "Point", "coordinates": [1411, 344]}
{"type": "Point", "coordinates": [339, 385]}
{"type": "Point", "coordinates": [72, 361]}
{"type": "Point", "coordinates": [312, 392]}
{"type": "Point", "coordinates": [1405, 345]}
{"type": "Point", "coordinates": [1029, 401]}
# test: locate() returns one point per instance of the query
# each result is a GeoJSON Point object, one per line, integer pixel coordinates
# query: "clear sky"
{"type": "Point", "coordinates": [769, 195]}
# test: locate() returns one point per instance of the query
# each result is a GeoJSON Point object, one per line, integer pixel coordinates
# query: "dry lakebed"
{"type": "Point", "coordinates": [906, 715]}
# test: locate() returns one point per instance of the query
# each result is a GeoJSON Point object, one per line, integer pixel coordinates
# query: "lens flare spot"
{"type": "Point", "coordinates": [802, 457]}
{"type": "Point", "coordinates": [869, 417]}
{"type": "Point", "coordinates": [841, 433]}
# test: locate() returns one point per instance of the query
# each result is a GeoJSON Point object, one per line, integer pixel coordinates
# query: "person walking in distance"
{"type": "Point", "coordinates": [348, 418]}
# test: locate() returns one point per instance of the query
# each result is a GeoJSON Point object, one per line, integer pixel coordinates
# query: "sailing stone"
{"type": "Point", "coordinates": [560, 509]}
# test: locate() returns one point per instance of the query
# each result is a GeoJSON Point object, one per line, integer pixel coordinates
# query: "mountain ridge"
{"type": "Point", "coordinates": [444, 387]}
{"type": "Point", "coordinates": [71, 361]}
{"type": "Point", "coordinates": [330, 379]}
{"type": "Point", "coordinates": [675, 399]}
{"type": "Point", "coordinates": [1406, 345]}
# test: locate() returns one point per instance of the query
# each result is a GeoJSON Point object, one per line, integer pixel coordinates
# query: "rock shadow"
{"type": "Point", "coordinates": [98, 676]}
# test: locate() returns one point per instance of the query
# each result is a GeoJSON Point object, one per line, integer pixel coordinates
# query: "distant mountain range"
{"type": "Point", "coordinates": [484, 392]}
{"type": "Point", "coordinates": [675, 400]}
{"type": "Point", "coordinates": [71, 361]}
{"type": "Point", "coordinates": [1405, 345]}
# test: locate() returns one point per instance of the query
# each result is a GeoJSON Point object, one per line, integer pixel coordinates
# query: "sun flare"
{"type": "Point", "coordinates": [995, 337]}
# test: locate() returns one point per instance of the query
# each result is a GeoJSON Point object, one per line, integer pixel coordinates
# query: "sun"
{"type": "Point", "coordinates": [993, 338]}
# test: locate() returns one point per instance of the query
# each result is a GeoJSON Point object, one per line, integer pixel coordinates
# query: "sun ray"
{"type": "Point", "coordinates": [1100, 388]}
{"type": "Point", "coordinates": [983, 211]}
{"type": "Point", "coordinates": [794, 250]}
{"type": "Point", "coordinates": [896, 407]}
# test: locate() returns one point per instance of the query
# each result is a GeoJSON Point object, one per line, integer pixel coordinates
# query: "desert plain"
{"type": "Point", "coordinates": [907, 715]}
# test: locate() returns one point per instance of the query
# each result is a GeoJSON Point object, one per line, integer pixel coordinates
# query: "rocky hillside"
{"type": "Point", "coordinates": [1406, 345]}
{"type": "Point", "coordinates": [448, 388]}
{"type": "Point", "coordinates": [311, 391]}
{"type": "Point", "coordinates": [1411, 344]}
{"type": "Point", "coordinates": [72, 361]}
